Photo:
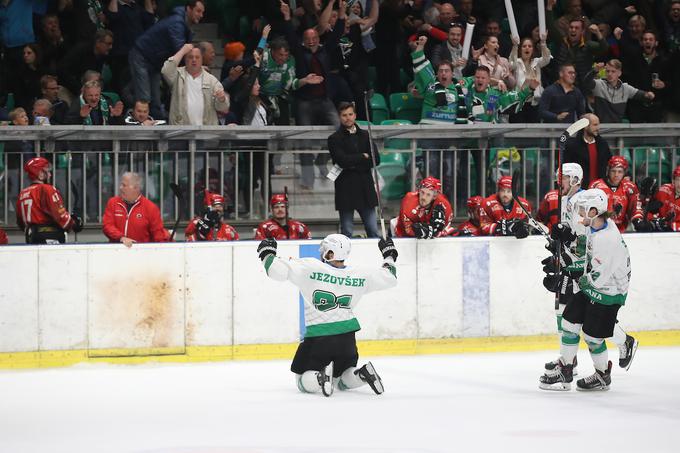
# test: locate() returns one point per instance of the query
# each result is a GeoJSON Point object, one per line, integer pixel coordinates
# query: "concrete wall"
{"type": "Point", "coordinates": [171, 296]}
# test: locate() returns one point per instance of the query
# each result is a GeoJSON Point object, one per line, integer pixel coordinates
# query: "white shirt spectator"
{"type": "Point", "coordinates": [194, 87]}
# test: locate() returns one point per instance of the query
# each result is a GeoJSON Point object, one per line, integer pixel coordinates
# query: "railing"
{"type": "Point", "coordinates": [247, 164]}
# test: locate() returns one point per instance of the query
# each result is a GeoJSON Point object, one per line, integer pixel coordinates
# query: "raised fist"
{"type": "Point", "coordinates": [387, 249]}
{"type": "Point", "coordinates": [438, 218]}
{"type": "Point", "coordinates": [267, 247]}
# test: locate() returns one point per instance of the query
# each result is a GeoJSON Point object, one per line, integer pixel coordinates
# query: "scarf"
{"type": "Point", "coordinates": [94, 9]}
{"type": "Point", "coordinates": [103, 107]}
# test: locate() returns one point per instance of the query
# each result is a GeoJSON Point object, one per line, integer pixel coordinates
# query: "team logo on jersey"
{"type": "Point", "coordinates": [139, 215]}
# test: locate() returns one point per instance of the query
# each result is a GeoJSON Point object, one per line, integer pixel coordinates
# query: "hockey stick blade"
{"type": "Point", "coordinates": [577, 126]}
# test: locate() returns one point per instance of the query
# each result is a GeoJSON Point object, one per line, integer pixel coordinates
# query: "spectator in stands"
{"type": "Point", "coordinates": [444, 101]}
{"type": "Point", "coordinates": [131, 217]}
{"type": "Point", "coordinates": [16, 29]}
{"type": "Point", "coordinates": [464, 9]}
{"type": "Point", "coordinates": [525, 67]}
{"type": "Point", "coordinates": [49, 87]}
{"type": "Point", "coordinates": [437, 27]}
{"type": "Point", "coordinates": [485, 103]}
{"type": "Point", "coordinates": [280, 226]}
{"type": "Point", "coordinates": [425, 213]}
{"type": "Point", "coordinates": [42, 112]}
{"type": "Point", "coordinates": [18, 117]}
{"type": "Point", "coordinates": [493, 28]}
{"type": "Point", "coordinates": [648, 71]}
{"type": "Point", "coordinates": [314, 106]}
{"type": "Point", "coordinates": [354, 187]}
{"type": "Point", "coordinates": [24, 79]}
{"type": "Point", "coordinates": [128, 20]}
{"type": "Point", "coordinates": [138, 115]}
{"type": "Point", "coordinates": [235, 63]}
{"type": "Point", "coordinates": [83, 57]}
{"type": "Point", "coordinates": [389, 39]}
{"type": "Point", "coordinates": [562, 102]}
{"type": "Point", "coordinates": [92, 109]}
{"type": "Point", "coordinates": [630, 40]}
{"type": "Point", "coordinates": [211, 225]}
{"type": "Point", "coordinates": [612, 95]}
{"type": "Point", "coordinates": [197, 95]}
{"type": "Point", "coordinates": [88, 17]}
{"type": "Point", "coordinates": [499, 67]}
{"type": "Point", "coordinates": [575, 48]}
{"type": "Point", "coordinates": [52, 43]}
{"type": "Point", "coordinates": [207, 54]}
{"type": "Point", "coordinates": [671, 27]}
{"type": "Point", "coordinates": [278, 80]}
{"type": "Point", "coordinates": [574, 10]}
{"type": "Point", "coordinates": [155, 46]}
{"type": "Point", "coordinates": [451, 50]}
{"type": "Point", "coordinates": [247, 103]}
{"type": "Point", "coordinates": [589, 150]}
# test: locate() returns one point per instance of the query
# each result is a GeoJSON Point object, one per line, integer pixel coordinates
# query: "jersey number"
{"type": "Point", "coordinates": [26, 208]}
{"type": "Point", "coordinates": [324, 300]}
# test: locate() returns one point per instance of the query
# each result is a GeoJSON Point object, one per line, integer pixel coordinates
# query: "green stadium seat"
{"type": "Point", "coordinates": [394, 165]}
{"type": "Point", "coordinates": [405, 107]}
{"type": "Point", "coordinates": [372, 76]}
{"type": "Point", "coordinates": [379, 110]}
{"type": "Point", "coordinates": [647, 161]}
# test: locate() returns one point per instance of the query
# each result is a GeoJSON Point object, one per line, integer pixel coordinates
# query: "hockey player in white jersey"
{"type": "Point", "coordinates": [572, 233]}
{"type": "Point", "coordinates": [603, 290]}
{"type": "Point", "coordinates": [328, 355]}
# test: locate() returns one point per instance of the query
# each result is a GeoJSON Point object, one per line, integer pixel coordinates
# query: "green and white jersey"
{"type": "Point", "coordinates": [608, 272]}
{"type": "Point", "coordinates": [570, 216]}
{"type": "Point", "coordinates": [330, 293]}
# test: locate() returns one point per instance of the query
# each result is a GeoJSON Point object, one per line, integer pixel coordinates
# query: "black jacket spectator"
{"type": "Point", "coordinates": [637, 71]}
{"type": "Point", "coordinates": [165, 38]}
{"type": "Point", "coordinates": [83, 57]}
{"type": "Point", "coordinates": [576, 150]}
{"type": "Point", "coordinates": [555, 100]}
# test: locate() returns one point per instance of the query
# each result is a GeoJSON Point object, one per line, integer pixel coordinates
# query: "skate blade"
{"type": "Point", "coordinates": [594, 389]}
{"type": "Point", "coordinates": [632, 356]}
{"type": "Point", "coordinates": [327, 386]}
{"type": "Point", "coordinates": [376, 384]}
{"type": "Point", "coordinates": [556, 387]}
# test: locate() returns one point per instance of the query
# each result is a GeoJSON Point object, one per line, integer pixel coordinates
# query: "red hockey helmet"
{"type": "Point", "coordinates": [618, 161]}
{"type": "Point", "coordinates": [505, 182]}
{"type": "Point", "coordinates": [34, 166]}
{"type": "Point", "coordinates": [431, 183]}
{"type": "Point", "coordinates": [475, 202]}
{"type": "Point", "coordinates": [278, 198]}
{"type": "Point", "coordinates": [676, 172]}
{"type": "Point", "coordinates": [211, 199]}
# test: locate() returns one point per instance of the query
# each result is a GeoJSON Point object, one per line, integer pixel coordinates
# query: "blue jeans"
{"type": "Point", "coordinates": [368, 217]}
{"type": "Point", "coordinates": [146, 81]}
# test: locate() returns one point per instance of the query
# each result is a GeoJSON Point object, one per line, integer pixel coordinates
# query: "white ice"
{"type": "Point", "coordinates": [446, 403]}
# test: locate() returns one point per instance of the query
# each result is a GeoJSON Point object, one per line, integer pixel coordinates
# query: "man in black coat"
{"type": "Point", "coordinates": [589, 150]}
{"type": "Point", "coordinates": [354, 187]}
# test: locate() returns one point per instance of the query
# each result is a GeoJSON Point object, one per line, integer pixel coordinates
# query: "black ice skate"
{"type": "Point", "coordinates": [599, 380]}
{"type": "Point", "coordinates": [368, 374]}
{"type": "Point", "coordinates": [627, 352]}
{"type": "Point", "coordinates": [325, 377]}
{"type": "Point", "coordinates": [552, 365]}
{"type": "Point", "coordinates": [559, 378]}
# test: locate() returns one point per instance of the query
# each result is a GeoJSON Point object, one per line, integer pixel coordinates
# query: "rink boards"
{"type": "Point", "coordinates": [212, 301]}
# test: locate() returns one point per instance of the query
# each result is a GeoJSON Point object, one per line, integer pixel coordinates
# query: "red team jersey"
{"type": "Point", "coordinates": [225, 233]}
{"type": "Point", "coordinates": [271, 229]}
{"type": "Point", "coordinates": [492, 211]}
{"type": "Point", "coordinates": [142, 223]}
{"type": "Point", "coordinates": [411, 212]}
{"type": "Point", "coordinates": [547, 212]}
{"type": "Point", "coordinates": [468, 229]}
{"type": "Point", "coordinates": [3, 237]}
{"type": "Point", "coordinates": [627, 196]}
{"type": "Point", "coordinates": [41, 204]}
{"type": "Point", "coordinates": [670, 203]}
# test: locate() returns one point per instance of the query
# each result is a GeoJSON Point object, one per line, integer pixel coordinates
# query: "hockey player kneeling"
{"type": "Point", "coordinates": [328, 356]}
{"type": "Point", "coordinates": [604, 287]}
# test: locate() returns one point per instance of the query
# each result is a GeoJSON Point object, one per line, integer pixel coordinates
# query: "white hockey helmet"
{"type": "Point", "coordinates": [593, 199]}
{"type": "Point", "coordinates": [339, 244]}
{"type": "Point", "coordinates": [573, 171]}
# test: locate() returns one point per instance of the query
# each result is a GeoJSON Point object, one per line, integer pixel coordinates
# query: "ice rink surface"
{"type": "Point", "coordinates": [444, 403]}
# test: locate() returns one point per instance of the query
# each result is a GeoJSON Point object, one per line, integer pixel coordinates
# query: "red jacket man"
{"type": "Point", "coordinates": [503, 216]}
{"type": "Point", "coordinates": [471, 227]}
{"type": "Point", "coordinates": [40, 207]}
{"type": "Point", "coordinates": [280, 226]}
{"type": "Point", "coordinates": [131, 217]}
{"type": "Point", "coordinates": [203, 228]}
{"type": "Point", "coordinates": [623, 194]}
{"type": "Point", "coordinates": [426, 213]}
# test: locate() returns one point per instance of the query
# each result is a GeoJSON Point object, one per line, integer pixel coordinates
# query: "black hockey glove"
{"type": "Point", "coordinates": [520, 229]}
{"type": "Point", "coordinates": [77, 223]}
{"type": "Point", "coordinates": [562, 231]}
{"type": "Point", "coordinates": [503, 227]}
{"type": "Point", "coordinates": [203, 228]}
{"type": "Point", "coordinates": [648, 187]}
{"type": "Point", "coordinates": [555, 282]}
{"type": "Point", "coordinates": [267, 247]}
{"type": "Point", "coordinates": [438, 218]}
{"type": "Point", "coordinates": [659, 225]}
{"type": "Point", "coordinates": [549, 265]}
{"type": "Point", "coordinates": [642, 226]}
{"type": "Point", "coordinates": [423, 231]}
{"type": "Point", "coordinates": [387, 249]}
{"type": "Point", "coordinates": [212, 218]}
{"type": "Point", "coordinates": [653, 206]}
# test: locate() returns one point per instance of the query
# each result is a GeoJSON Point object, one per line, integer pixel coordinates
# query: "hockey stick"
{"type": "Point", "coordinates": [178, 194]}
{"type": "Point", "coordinates": [535, 224]}
{"type": "Point", "coordinates": [375, 170]}
{"type": "Point", "coordinates": [568, 132]}
{"type": "Point", "coordinates": [76, 200]}
{"type": "Point", "coordinates": [285, 194]}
